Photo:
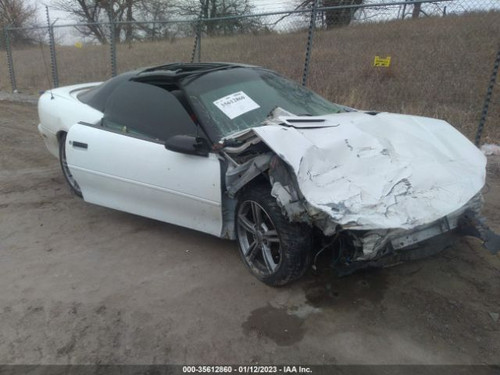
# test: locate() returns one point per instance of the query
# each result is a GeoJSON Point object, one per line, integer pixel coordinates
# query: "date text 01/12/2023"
{"type": "Point", "coordinates": [248, 369]}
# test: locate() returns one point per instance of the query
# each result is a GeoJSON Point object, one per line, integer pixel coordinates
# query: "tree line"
{"type": "Point", "coordinates": [152, 19]}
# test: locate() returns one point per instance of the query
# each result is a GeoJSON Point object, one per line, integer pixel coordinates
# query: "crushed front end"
{"type": "Point", "coordinates": [357, 249]}
{"type": "Point", "coordinates": [376, 190]}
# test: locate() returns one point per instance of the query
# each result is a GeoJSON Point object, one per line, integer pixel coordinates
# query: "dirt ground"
{"type": "Point", "coordinates": [82, 284]}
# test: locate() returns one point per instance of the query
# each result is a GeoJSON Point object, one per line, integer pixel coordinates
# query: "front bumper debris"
{"type": "Point", "coordinates": [383, 249]}
{"type": "Point", "coordinates": [475, 226]}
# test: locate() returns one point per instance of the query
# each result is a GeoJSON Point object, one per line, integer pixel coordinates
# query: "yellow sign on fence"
{"type": "Point", "coordinates": [383, 62]}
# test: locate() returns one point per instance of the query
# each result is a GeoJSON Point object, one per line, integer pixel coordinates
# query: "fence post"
{"type": "Point", "coordinates": [312, 26]}
{"type": "Point", "coordinates": [112, 42]}
{"type": "Point", "coordinates": [10, 62]}
{"type": "Point", "coordinates": [199, 41]}
{"type": "Point", "coordinates": [197, 45]}
{"type": "Point", "coordinates": [52, 48]}
{"type": "Point", "coordinates": [197, 38]}
{"type": "Point", "coordinates": [487, 99]}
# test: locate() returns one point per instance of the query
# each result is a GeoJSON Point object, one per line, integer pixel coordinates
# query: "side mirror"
{"type": "Point", "coordinates": [187, 144]}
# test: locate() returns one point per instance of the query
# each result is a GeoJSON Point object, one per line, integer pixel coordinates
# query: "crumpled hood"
{"type": "Point", "coordinates": [379, 171]}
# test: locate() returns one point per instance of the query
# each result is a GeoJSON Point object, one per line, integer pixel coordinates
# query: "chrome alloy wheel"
{"type": "Point", "coordinates": [258, 238]}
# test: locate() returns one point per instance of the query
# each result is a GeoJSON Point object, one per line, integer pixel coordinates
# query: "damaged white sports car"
{"type": "Point", "coordinates": [242, 153]}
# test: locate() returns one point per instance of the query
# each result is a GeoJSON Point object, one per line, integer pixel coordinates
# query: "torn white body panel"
{"type": "Point", "coordinates": [382, 171]}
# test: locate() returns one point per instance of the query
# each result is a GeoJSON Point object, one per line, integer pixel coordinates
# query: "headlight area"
{"type": "Point", "coordinates": [357, 249]}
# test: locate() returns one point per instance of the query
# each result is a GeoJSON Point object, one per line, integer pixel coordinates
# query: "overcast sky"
{"type": "Point", "coordinates": [260, 5]}
{"type": "Point", "coordinates": [67, 36]}
{"type": "Point", "coordinates": [263, 6]}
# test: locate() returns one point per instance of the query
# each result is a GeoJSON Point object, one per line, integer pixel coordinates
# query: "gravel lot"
{"type": "Point", "coordinates": [82, 284]}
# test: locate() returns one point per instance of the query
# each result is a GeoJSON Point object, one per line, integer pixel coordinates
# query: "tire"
{"type": "Point", "coordinates": [73, 185]}
{"type": "Point", "coordinates": [275, 250]}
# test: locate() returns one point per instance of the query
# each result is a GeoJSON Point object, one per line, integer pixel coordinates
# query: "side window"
{"type": "Point", "coordinates": [146, 110]}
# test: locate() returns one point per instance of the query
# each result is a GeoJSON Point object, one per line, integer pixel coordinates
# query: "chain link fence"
{"type": "Point", "coordinates": [431, 58]}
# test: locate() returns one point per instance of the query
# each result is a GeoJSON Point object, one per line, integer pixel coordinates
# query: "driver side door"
{"type": "Point", "coordinates": [122, 162]}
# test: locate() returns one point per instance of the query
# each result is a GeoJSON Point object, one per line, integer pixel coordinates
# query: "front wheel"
{"type": "Point", "coordinates": [75, 188]}
{"type": "Point", "coordinates": [275, 250]}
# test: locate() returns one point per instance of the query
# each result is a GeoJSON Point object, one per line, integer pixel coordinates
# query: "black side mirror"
{"type": "Point", "coordinates": [187, 144]}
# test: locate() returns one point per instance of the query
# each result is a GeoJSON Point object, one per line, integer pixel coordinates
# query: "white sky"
{"type": "Point", "coordinates": [265, 6]}
{"type": "Point", "coordinates": [63, 18]}
{"type": "Point", "coordinates": [262, 6]}
{"type": "Point", "coordinates": [54, 14]}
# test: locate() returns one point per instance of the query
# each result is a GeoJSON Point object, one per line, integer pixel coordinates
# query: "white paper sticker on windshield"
{"type": "Point", "coordinates": [236, 104]}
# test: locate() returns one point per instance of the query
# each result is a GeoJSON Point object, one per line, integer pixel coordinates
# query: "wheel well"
{"type": "Point", "coordinates": [60, 134]}
{"type": "Point", "coordinates": [229, 206]}
{"type": "Point", "coordinates": [261, 179]}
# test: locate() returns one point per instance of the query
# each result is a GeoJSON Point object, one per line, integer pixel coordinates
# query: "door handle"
{"type": "Point", "coordinates": [79, 144]}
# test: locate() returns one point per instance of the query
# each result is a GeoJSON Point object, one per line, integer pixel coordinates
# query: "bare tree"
{"type": "Point", "coordinates": [155, 13]}
{"type": "Point", "coordinates": [17, 14]}
{"type": "Point", "coordinates": [212, 9]}
{"type": "Point", "coordinates": [417, 8]}
{"type": "Point", "coordinates": [335, 17]}
{"type": "Point", "coordinates": [151, 14]}
{"type": "Point", "coordinates": [92, 12]}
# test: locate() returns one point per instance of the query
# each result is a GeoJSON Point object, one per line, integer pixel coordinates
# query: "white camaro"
{"type": "Point", "coordinates": [242, 153]}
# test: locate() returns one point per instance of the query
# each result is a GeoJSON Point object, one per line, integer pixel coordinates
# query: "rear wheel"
{"type": "Point", "coordinates": [75, 188]}
{"type": "Point", "coordinates": [276, 251]}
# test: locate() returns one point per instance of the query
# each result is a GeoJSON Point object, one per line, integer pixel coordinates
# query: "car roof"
{"type": "Point", "coordinates": [175, 72]}
{"type": "Point", "coordinates": [181, 69]}
{"type": "Point", "coordinates": [165, 74]}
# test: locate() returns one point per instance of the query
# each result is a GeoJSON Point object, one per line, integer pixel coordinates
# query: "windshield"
{"type": "Point", "coordinates": [240, 98]}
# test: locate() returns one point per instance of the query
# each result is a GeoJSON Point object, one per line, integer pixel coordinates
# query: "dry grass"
{"type": "Point", "coordinates": [440, 66]}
